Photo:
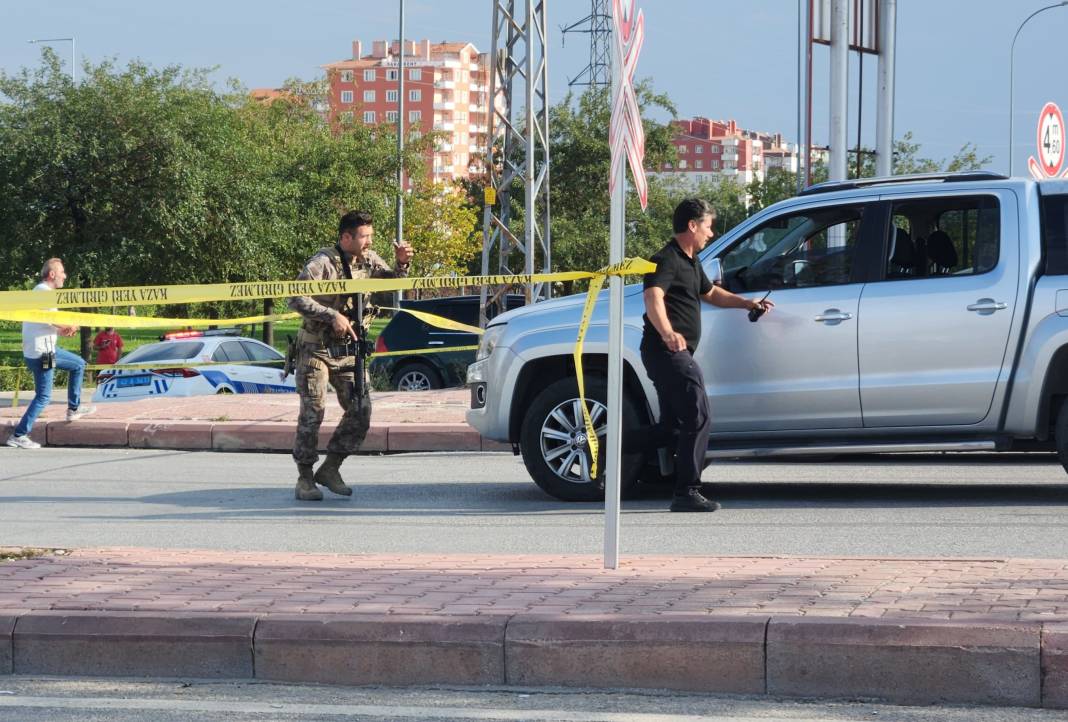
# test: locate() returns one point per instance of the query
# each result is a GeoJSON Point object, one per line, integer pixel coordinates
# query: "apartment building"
{"type": "Point", "coordinates": [446, 87]}
{"type": "Point", "coordinates": [710, 149]}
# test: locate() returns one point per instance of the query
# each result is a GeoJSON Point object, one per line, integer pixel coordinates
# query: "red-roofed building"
{"type": "Point", "coordinates": [447, 89]}
{"type": "Point", "coordinates": [710, 149]}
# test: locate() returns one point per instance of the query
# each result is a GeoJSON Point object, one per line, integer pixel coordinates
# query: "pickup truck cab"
{"type": "Point", "coordinates": [913, 313]}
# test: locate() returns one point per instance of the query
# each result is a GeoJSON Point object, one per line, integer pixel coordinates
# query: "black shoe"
{"type": "Point", "coordinates": [692, 501]}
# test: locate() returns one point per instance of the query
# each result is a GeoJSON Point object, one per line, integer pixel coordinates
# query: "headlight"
{"type": "Point", "coordinates": [489, 341]}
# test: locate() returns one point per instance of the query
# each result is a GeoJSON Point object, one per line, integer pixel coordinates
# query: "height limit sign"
{"type": "Point", "coordinates": [1050, 144]}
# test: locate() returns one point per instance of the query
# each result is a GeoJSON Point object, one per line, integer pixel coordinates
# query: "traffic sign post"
{"type": "Point", "coordinates": [1050, 143]}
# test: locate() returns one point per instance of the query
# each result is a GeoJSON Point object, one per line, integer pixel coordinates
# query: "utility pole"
{"type": "Point", "coordinates": [517, 156]}
{"type": "Point", "coordinates": [598, 24]}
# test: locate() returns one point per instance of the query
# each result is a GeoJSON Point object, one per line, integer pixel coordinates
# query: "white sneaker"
{"type": "Point", "coordinates": [22, 442]}
{"type": "Point", "coordinates": [75, 414]}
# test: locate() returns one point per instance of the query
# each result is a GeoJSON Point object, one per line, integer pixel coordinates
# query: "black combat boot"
{"type": "Point", "coordinates": [692, 500]}
{"type": "Point", "coordinates": [329, 475]}
{"type": "Point", "coordinates": [306, 490]}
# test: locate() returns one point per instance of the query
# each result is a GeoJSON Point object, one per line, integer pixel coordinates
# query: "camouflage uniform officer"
{"type": "Point", "coordinates": [325, 324]}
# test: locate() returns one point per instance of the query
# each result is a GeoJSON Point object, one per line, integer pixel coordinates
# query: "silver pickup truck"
{"type": "Point", "coordinates": [913, 313]}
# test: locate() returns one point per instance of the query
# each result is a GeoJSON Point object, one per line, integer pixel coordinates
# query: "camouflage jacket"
{"type": "Point", "coordinates": [319, 312]}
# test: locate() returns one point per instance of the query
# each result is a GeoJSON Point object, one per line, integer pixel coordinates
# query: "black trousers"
{"type": "Point", "coordinates": [684, 411]}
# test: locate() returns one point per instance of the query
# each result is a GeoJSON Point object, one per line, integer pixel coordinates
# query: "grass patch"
{"type": "Point", "coordinates": [9, 554]}
{"type": "Point", "coordinates": [11, 348]}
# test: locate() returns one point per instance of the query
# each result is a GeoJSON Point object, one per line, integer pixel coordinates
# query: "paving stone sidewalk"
{"type": "Point", "coordinates": [400, 421]}
{"type": "Point", "coordinates": [1010, 590]}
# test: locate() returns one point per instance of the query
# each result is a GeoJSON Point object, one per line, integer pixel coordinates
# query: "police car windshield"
{"type": "Point", "coordinates": [173, 351]}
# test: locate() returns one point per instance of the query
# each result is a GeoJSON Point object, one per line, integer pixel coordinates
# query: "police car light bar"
{"type": "Point", "coordinates": [175, 335]}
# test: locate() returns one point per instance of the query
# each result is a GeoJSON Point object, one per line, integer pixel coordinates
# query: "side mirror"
{"type": "Point", "coordinates": [715, 271]}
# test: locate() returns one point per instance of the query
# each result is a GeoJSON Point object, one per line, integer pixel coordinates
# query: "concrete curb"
{"type": "Point", "coordinates": [901, 662]}
{"type": "Point", "coordinates": [266, 436]}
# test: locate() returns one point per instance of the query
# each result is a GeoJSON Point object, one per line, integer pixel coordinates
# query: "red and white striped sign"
{"type": "Point", "coordinates": [626, 137]}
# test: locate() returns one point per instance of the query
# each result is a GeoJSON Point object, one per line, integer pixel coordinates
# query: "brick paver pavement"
{"type": "Point", "coordinates": [211, 581]}
{"type": "Point", "coordinates": [442, 406]}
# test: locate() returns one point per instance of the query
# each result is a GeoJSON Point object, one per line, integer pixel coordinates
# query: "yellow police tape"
{"type": "Point", "coordinates": [104, 320]}
{"type": "Point", "coordinates": [11, 301]}
{"type": "Point", "coordinates": [247, 291]}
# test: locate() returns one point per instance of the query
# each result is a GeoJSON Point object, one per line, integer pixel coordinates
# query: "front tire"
{"type": "Point", "coordinates": [1060, 434]}
{"type": "Point", "coordinates": [552, 440]}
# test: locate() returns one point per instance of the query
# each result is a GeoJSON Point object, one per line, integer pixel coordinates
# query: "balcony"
{"type": "Point", "coordinates": [444, 105]}
{"type": "Point", "coordinates": [449, 84]}
{"type": "Point", "coordinates": [444, 125]}
{"type": "Point", "coordinates": [444, 147]}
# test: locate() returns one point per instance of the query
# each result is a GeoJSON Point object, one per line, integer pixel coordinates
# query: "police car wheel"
{"type": "Point", "coordinates": [554, 446]}
{"type": "Point", "coordinates": [415, 376]}
{"type": "Point", "coordinates": [223, 390]}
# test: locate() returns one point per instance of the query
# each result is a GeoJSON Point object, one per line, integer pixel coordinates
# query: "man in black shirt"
{"type": "Point", "coordinates": [673, 295]}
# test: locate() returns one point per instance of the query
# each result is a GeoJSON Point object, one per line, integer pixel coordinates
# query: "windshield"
{"type": "Point", "coordinates": [165, 351]}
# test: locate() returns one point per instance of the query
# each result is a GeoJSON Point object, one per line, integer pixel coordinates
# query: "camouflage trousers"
{"type": "Point", "coordinates": [315, 369]}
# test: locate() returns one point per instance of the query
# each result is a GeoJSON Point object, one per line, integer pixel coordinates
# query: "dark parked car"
{"type": "Point", "coordinates": [425, 371]}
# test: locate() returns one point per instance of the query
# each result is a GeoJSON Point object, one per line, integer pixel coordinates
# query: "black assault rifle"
{"type": "Point", "coordinates": [359, 348]}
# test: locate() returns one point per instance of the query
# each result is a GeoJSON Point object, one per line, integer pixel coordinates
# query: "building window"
{"type": "Point", "coordinates": [369, 116]}
{"type": "Point", "coordinates": [346, 117]}
{"type": "Point", "coordinates": [667, 166]}
{"type": "Point", "coordinates": [415, 74]}
{"type": "Point", "coordinates": [699, 163]}
{"type": "Point", "coordinates": [682, 149]}
{"type": "Point", "coordinates": [415, 135]}
{"type": "Point", "coordinates": [391, 116]}
{"type": "Point", "coordinates": [715, 165]}
{"type": "Point", "coordinates": [698, 149]}
{"type": "Point", "coordinates": [414, 116]}
{"type": "Point", "coordinates": [391, 74]}
{"type": "Point", "coordinates": [369, 75]}
{"type": "Point", "coordinates": [391, 96]}
{"type": "Point", "coordinates": [346, 76]}
{"type": "Point", "coordinates": [415, 95]}
{"type": "Point", "coordinates": [682, 165]}
{"type": "Point", "coordinates": [368, 96]}
{"type": "Point", "coordinates": [346, 96]}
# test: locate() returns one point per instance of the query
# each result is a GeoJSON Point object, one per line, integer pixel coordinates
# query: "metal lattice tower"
{"type": "Point", "coordinates": [599, 26]}
{"type": "Point", "coordinates": [517, 158]}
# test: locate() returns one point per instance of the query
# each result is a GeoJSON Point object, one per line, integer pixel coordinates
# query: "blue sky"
{"type": "Point", "coordinates": [714, 58]}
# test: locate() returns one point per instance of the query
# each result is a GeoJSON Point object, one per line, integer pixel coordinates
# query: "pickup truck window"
{"type": "Point", "coordinates": [953, 236]}
{"type": "Point", "coordinates": [800, 250]}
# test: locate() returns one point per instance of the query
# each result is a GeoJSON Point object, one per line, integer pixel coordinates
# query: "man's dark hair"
{"type": "Point", "coordinates": [353, 220]}
{"type": "Point", "coordinates": [691, 209]}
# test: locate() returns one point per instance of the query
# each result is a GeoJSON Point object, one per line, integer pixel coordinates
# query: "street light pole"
{"type": "Point", "coordinates": [1012, 63]}
{"type": "Point", "coordinates": [400, 131]}
{"type": "Point", "coordinates": [73, 53]}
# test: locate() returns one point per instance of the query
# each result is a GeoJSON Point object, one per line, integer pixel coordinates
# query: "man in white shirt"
{"type": "Point", "coordinates": [43, 356]}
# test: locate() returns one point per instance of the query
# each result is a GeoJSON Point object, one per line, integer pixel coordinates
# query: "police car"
{"type": "Point", "coordinates": [258, 369]}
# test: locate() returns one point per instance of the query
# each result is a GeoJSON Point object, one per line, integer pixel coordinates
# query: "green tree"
{"type": "Point", "coordinates": [579, 198]}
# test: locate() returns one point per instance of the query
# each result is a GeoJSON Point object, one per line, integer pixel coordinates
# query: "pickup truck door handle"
{"type": "Point", "coordinates": [987, 306]}
{"type": "Point", "coordinates": [832, 316]}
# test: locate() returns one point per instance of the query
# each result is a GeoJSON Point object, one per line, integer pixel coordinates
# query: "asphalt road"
{"type": "Point", "coordinates": [934, 505]}
{"type": "Point", "coordinates": [25, 699]}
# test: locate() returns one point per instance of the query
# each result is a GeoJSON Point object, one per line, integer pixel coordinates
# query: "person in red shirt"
{"type": "Point", "coordinates": [108, 345]}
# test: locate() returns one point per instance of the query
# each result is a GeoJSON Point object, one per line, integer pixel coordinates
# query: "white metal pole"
{"type": "Point", "coordinates": [616, 230]}
{"type": "Point", "coordinates": [400, 131]}
{"type": "Point", "coordinates": [884, 112]}
{"type": "Point", "coordinates": [839, 88]}
{"type": "Point", "coordinates": [802, 90]}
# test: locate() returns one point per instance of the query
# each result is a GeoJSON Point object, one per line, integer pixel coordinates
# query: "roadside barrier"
{"type": "Point", "coordinates": [30, 305]}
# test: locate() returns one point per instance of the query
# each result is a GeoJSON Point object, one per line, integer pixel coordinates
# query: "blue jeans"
{"type": "Point", "coordinates": [42, 385]}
